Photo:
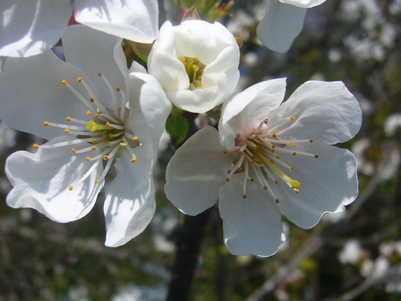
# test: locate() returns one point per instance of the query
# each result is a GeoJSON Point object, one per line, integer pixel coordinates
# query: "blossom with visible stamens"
{"type": "Point", "coordinates": [196, 63]}
{"type": "Point", "coordinates": [268, 160]}
{"type": "Point", "coordinates": [95, 115]}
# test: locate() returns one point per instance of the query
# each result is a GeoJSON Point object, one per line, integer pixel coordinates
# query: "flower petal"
{"type": "Point", "coordinates": [196, 172]}
{"type": "Point", "coordinates": [32, 27]}
{"type": "Point", "coordinates": [303, 3]}
{"type": "Point", "coordinates": [109, 59]}
{"type": "Point", "coordinates": [130, 201]}
{"type": "Point", "coordinates": [251, 225]}
{"type": "Point", "coordinates": [248, 108]}
{"type": "Point", "coordinates": [43, 97]}
{"type": "Point", "coordinates": [323, 111]}
{"type": "Point", "coordinates": [149, 106]}
{"type": "Point", "coordinates": [327, 183]}
{"type": "Point", "coordinates": [135, 20]}
{"type": "Point", "coordinates": [281, 24]}
{"type": "Point", "coordinates": [41, 181]}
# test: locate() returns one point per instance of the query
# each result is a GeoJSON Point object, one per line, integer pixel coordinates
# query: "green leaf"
{"type": "Point", "coordinates": [177, 126]}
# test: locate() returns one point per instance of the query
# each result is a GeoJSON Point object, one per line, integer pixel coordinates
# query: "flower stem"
{"type": "Point", "coordinates": [189, 239]}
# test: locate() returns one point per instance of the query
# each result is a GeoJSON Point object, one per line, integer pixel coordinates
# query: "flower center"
{"type": "Point", "coordinates": [258, 157]}
{"type": "Point", "coordinates": [194, 69]}
{"type": "Point", "coordinates": [104, 136]}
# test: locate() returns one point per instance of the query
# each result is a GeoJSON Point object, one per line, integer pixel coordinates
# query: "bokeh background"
{"type": "Point", "coordinates": [354, 255]}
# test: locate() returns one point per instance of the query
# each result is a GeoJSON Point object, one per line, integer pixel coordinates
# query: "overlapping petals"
{"type": "Point", "coordinates": [95, 115]}
{"type": "Point", "coordinates": [269, 160]}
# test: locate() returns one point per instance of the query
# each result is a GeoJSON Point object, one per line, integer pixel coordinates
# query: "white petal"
{"type": "Point", "coordinates": [130, 201]}
{"type": "Point", "coordinates": [135, 20]}
{"type": "Point", "coordinates": [41, 181]}
{"type": "Point", "coordinates": [43, 97]}
{"type": "Point", "coordinates": [281, 24]}
{"type": "Point", "coordinates": [327, 183]}
{"type": "Point", "coordinates": [251, 225]}
{"type": "Point", "coordinates": [323, 111]}
{"type": "Point", "coordinates": [79, 43]}
{"type": "Point", "coordinates": [196, 172]}
{"type": "Point", "coordinates": [32, 27]}
{"type": "Point", "coordinates": [304, 3]}
{"type": "Point", "coordinates": [149, 108]}
{"type": "Point", "coordinates": [247, 109]}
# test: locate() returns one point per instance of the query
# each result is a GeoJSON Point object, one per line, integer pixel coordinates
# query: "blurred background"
{"type": "Point", "coordinates": [354, 255]}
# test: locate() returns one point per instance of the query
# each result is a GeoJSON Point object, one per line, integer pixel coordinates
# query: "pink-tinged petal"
{"type": "Point", "coordinates": [32, 27]}
{"type": "Point", "coordinates": [303, 3]}
{"type": "Point", "coordinates": [93, 52]}
{"type": "Point", "coordinates": [130, 201]}
{"type": "Point", "coordinates": [196, 172]}
{"type": "Point", "coordinates": [43, 96]}
{"type": "Point", "coordinates": [246, 110]}
{"type": "Point", "coordinates": [280, 25]}
{"type": "Point", "coordinates": [327, 183]}
{"type": "Point", "coordinates": [42, 181]}
{"type": "Point", "coordinates": [251, 225]}
{"type": "Point", "coordinates": [135, 20]}
{"type": "Point", "coordinates": [323, 111]}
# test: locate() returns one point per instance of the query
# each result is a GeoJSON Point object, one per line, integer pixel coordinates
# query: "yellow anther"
{"type": "Point", "coordinates": [311, 140]}
{"type": "Point", "coordinates": [68, 118]}
{"type": "Point", "coordinates": [118, 89]}
{"type": "Point", "coordinates": [277, 201]}
{"type": "Point", "coordinates": [292, 169]}
{"type": "Point", "coordinates": [64, 82]}
{"type": "Point", "coordinates": [316, 156]}
{"type": "Point", "coordinates": [105, 157]}
{"type": "Point", "coordinates": [79, 79]}
{"type": "Point", "coordinates": [292, 143]}
{"type": "Point", "coordinates": [225, 151]}
{"type": "Point", "coordinates": [273, 146]}
{"type": "Point", "coordinates": [244, 196]}
{"type": "Point", "coordinates": [122, 144]}
{"type": "Point", "coordinates": [292, 118]}
{"type": "Point", "coordinates": [240, 152]}
{"type": "Point", "coordinates": [104, 135]}
{"type": "Point", "coordinates": [100, 74]}
{"type": "Point", "coordinates": [294, 153]}
{"type": "Point", "coordinates": [256, 136]}
{"type": "Point", "coordinates": [196, 68]}
{"type": "Point", "coordinates": [278, 157]}
{"type": "Point", "coordinates": [35, 145]}
{"type": "Point", "coordinates": [251, 179]}
{"type": "Point", "coordinates": [89, 112]}
{"type": "Point", "coordinates": [66, 131]}
{"type": "Point", "coordinates": [275, 182]}
{"type": "Point", "coordinates": [96, 181]}
{"type": "Point", "coordinates": [135, 138]}
{"type": "Point", "coordinates": [297, 191]}
{"type": "Point", "coordinates": [108, 123]}
{"type": "Point", "coordinates": [91, 99]}
{"type": "Point", "coordinates": [93, 148]}
{"type": "Point", "coordinates": [88, 158]}
{"type": "Point", "coordinates": [105, 142]}
{"type": "Point", "coordinates": [227, 179]}
{"type": "Point", "coordinates": [238, 134]}
{"type": "Point", "coordinates": [70, 188]}
{"type": "Point", "coordinates": [239, 169]}
{"type": "Point", "coordinates": [265, 187]}
{"type": "Point", "coordinates": [97, 114]}
{"type": "Point", "coordinates": [111, 135]}
{"type": "Point", "coordinates": [46, 123]}
{"type": "Point", "coordinates": [133, 160]}
{"type": "Point", "coordinates": [239, 41]}
{"type": "Point", "coordinates": [73, 150]}
{"type": "Point", "coordinates": [274, 136]}
{"type": "Point", "coordinates": [182, 59]}
{"type": "Point", "coordinates": [91, 140]}
{"type": "Point", "coordinates": [272, 161]}
{"type": "Point", "coordinates": [93, 126]}
{"type": "Point", "coordinates": [265, 121]}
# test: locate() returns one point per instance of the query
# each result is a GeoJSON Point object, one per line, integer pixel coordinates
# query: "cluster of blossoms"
{"type": "Point", "coordinates": [267, 158]}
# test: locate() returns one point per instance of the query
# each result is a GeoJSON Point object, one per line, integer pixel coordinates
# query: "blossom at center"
{"type": "Point", "coordinates": [194, 68]}
{"type": "Point", "coordinates": [257, 157]}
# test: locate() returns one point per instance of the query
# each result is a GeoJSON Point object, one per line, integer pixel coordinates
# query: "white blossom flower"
{"type": "Point", "coordinates": [196, 63]}
{"type": "Point", "coordinates": [282, 22]}
{"type": "Point", "coordinates": [269, 160]}
{"type": "Point", "coordinates": [32, 27]}
{"type": "Point", "coordinates": [93, 115]}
